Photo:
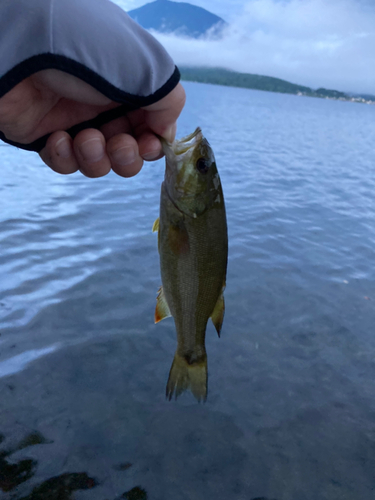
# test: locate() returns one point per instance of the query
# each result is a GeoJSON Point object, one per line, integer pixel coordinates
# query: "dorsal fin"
{"type": "Point", "coordinates": [217, 315]}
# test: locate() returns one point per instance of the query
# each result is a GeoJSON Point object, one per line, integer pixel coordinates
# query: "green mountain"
{"type": "Point", "coordinates": [220, 76]}
{"type": "Point", "coordinates": [179, 17]}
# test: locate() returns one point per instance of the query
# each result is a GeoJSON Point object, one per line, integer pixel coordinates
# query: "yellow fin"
{"type": "Point", "coordinates": [184, 376]}
{"type": "Point", "coordinates": [162, 309]}
{"type": "Point", "coordinates": [155, 226]}
{"type": "Point", "coordinates": [217, 316]}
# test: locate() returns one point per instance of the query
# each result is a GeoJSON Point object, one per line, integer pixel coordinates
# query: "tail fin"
{"type": "Point", "coordinates": [184, 376]}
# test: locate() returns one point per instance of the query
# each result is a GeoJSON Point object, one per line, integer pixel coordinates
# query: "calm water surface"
{"type": "Point", "coordinates": [291, 407]}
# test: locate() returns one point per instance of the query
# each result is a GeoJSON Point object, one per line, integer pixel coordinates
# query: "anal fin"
{"type": "Point", "coordinates": [162, 309]}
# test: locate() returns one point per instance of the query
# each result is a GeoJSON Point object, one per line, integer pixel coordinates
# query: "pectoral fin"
{"type": "Point", "coordinates": [156, 229]}
{"type": "Point", "coordinates": [217, 316]}
{"type": "Point", "coordinates": [162, 309]}
{"type": "Point", "coordinates": [155, 226]}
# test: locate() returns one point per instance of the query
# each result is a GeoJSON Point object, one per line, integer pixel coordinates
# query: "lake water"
{"type": "Point", "coordinates": [290, 413]}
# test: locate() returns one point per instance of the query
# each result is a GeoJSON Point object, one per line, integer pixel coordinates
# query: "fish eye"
{"type": "Point", "coordinates": [202, 165]}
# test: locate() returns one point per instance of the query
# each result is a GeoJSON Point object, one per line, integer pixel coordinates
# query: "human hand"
{"type": "Point", "coordinates": [52, 101]}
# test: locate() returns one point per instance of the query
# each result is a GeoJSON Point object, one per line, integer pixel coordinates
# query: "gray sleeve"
{"type": "Point", "coordinates": [94, 40]}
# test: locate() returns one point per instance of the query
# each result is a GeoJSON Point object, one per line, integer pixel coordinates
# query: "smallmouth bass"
{"type": "Point", "coordinates": [193, 248]}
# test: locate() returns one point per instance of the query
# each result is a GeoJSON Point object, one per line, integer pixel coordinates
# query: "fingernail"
{"type": "Point", "coordinates": [92, 150]}
{"type": "Point", "coordinates": [63, 148]}
{"type": "Point", "coordinates": [170, 133]}
{"type": "Point", "coordinates": [123, 156]}
{"type": "Point", "coordinates": [152, 155]}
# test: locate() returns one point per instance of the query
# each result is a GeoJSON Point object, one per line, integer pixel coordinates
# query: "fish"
{"type": "Point", "coordinates": [193, 251]}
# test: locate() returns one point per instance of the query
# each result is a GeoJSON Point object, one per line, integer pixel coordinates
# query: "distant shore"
{"type": "Point", "coordinates": [220, 76]}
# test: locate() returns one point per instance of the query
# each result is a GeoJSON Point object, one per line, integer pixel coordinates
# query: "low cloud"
{"type": "Point", "coordinates": [310, 42]}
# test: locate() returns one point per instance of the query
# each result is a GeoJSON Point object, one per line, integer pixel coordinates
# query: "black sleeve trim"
{"type": "Point", "coordinates": [51, 61]}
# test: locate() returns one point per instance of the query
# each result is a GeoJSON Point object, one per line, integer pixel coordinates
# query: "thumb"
{"type": "Point", "coordinates": [161, 116]}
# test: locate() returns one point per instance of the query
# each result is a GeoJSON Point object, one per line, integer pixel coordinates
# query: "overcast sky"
{"type": "Point", "coordinates": [318, 43]}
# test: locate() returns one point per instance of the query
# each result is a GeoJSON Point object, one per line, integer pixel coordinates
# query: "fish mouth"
{"type": "Point", "coordinates": [186, 143]}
